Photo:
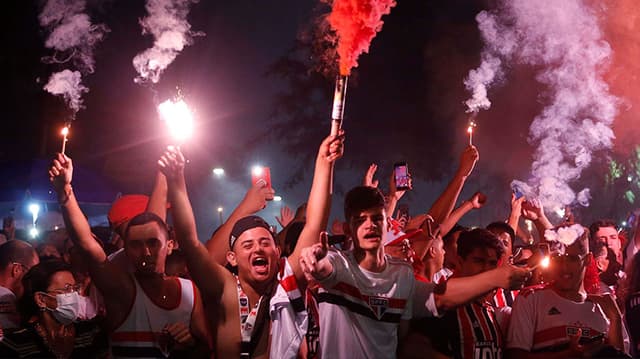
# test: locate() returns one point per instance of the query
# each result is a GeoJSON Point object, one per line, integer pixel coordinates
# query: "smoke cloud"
{"type": "Point", "coordinates": [563, 42]}
{"type": "Point", "coordinates": [73, 37]}
{"type": "Point", "coordinates": [167, 22]}
{"type": "Point", "coordinates": [356, 24]}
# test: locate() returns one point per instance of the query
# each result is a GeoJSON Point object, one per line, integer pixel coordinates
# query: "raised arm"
{"type": "Point", "coordinates": [533, 211]}
{"type": "Point", "coordinates": [447, 200]}
{"type": "Point", "coordinates": [107, 278]}
{"type": "Point", "coordinates": [319, 203]}
{"type": "Point", "coordinates": [254, 201]}
{"type": "Point", "coordinates": [394, 194]}
{"type": "Point", "coordinates": [464, 289]}
{"type": "Point", "coordinates": [208, 276]}
{"type": "Point", "coordinates": [516, 212]}
{"type": "Point", "coordinates": [158, 199]}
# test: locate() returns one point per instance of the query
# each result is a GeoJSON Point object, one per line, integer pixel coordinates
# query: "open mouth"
{"type": "Point", "coordinates": [372, 236]}
{"type": "Point", "coordinates": [261, 265]}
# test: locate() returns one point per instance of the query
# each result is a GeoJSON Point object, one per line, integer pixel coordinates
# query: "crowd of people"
{"type": "Point", "coordinates": [380, 283]}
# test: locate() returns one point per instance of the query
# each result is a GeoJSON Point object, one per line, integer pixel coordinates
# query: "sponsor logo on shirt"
{"type": "Point", "coordinates": [553, 311]}
{"type": "Point", "coordinates": [378, 305]}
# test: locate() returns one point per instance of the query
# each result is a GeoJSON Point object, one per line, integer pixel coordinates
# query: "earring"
{"type": "Point", "coordinates": [43, 308]}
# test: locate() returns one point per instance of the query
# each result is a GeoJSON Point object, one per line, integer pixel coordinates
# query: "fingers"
{"type": "Point", "coordinates": [324, 240]}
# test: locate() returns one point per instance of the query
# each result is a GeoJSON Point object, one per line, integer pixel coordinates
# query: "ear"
{"type": "Point", "coordinates": [170, 246]}
{"type": "Point", "coordinates": [40, 299]}
{"type": "Point", "coordinates": [588, 259]}
{"type": "Point", "coordinates": [231, 258]}
{"type": "Point", "coordinates": [431, 252]}
{"type": "Point", "coordinates": [15, 270]}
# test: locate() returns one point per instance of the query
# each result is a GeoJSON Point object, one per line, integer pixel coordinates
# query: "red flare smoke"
{"type": "Point", "coordinates": [356, 22]}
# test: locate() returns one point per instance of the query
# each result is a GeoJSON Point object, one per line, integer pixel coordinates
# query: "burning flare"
{"type": "Point", "coordinates": [178, 117]}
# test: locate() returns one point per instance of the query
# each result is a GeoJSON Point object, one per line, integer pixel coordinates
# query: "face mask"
{"type": "Point", "coordinates": [86, 308]}
{"type": "Point", "coordinates": [68, 307]}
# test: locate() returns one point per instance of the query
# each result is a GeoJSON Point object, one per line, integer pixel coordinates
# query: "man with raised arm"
{"type": "Point", "coordinates": [237, 305]}
{"type": "Point", "coordinates": [149, 314]}
{"type": "Point", "coordinates": [366, 297]}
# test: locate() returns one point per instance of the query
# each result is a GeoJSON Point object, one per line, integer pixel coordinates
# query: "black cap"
{"type": "Point", "coordinates": [245, 224]}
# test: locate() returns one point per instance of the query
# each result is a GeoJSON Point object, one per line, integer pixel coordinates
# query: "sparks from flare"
{"type": "Point", "coordinates": [178, 117]}
{"type": "Point", "coordinates": [470, 128]}
{"type": "Point", "coordinates": [64, 132]}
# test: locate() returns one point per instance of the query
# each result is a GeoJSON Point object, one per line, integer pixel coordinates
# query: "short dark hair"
{"type": "Point", "coordinates": [499, 227]}
{"type": "Point", "coordinates": [36, 280]}
{"type": "Point", "coordinates": [16, 251]}
{"type": "Point", "coordinates": [456, 228]}
{"type": "Point", "coordinates": [601, 223]}
{"type": "Point", "coordinates": [478, 238]}
{"type": "Point", "coordinates": [144, 218]}
{"type": "Point", "coordinates": [360, 199]}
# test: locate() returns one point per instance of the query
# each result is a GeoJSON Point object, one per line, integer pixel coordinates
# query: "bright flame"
{"type": "Point", "coordinates": [545, 262]}
{"type": "Point", "coordinates": [277, 198]}
{"type": "Point", "coordinates": [33, 232]}
{"type": "Point", "coordinates": [34, 208]}
{"type": "Point", "coordinates": [218, 171]}
{"type": "Point", "coordinates": [560, 212]}
{"type": "Point", "coordinates": [257, 170]}
{"type": "Point", "coordinates": [178, 117]}
{"type": "Point", "coordinates": [65, 131]}
{"type": "Point", "coordinates": [529, 225]}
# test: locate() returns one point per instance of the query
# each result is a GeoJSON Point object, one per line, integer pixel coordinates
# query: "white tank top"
{"type": "Point", "coordinates": [140, 334]}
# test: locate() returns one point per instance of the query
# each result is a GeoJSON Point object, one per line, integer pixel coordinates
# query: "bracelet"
{"type": "Point", "coordinates": [67, 194]}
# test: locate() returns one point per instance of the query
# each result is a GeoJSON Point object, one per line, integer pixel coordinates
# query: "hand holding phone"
{"type": "Point", "coordinates": [261, 177]}
{"type": "Point", "coordinates": [401, 176]}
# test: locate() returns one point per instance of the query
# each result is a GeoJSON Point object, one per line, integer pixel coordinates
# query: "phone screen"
{"type": "Point", "coordinates": [401, 174]}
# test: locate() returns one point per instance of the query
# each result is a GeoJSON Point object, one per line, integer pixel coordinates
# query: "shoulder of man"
{"type": "Point", "coordinates": [533, 290]}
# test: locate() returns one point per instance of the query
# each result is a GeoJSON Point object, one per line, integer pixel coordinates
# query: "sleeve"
{"type": "Point", "coordinates": [337, 262]}
{"type": "Point", "coordinates": [424, 300]}
{"type": "Point", "coordinates": [522, 323]}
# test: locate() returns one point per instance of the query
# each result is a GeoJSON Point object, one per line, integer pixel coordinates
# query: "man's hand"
{"type": "Point", "coordinates": [468, 161]}
{"type": "Point", "coordinates": [312, 259]}
{"type": "Point", "coordinates": [286, 216]}
{"type": "Point", "coordinates": [61, 172]}
{"type": "Point", "coordinates": [332, 147]}
{"type": "Point", "coordinates": [368, 177]}
{"type": "Point", "coordinates": [512, 277]}
{"type": "Point", "coordinates": [393, 189]}
{"type": "Point", "coordinates": [587, 350]}
{"type": "Point", "coordinates": [532, 210]}
{"type": "Point", "coordinates": [171, 163]}
{"type": "Point", "coordinates": [179, 335]}
{"type": "Point", "coordinates": [516, 204]}
{"type": "Point", "coordinates": [256, 198]}
{"type": "Point", "coordinates": [478, 200]}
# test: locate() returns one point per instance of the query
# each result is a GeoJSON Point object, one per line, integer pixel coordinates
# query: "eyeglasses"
{"type": "Point", "coordinates": [68, 288]}
{"type": "Point", "coordinates": [569, 258]}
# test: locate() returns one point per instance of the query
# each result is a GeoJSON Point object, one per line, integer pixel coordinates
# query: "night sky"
{"type": "Point", "coordinates": [405, 103]}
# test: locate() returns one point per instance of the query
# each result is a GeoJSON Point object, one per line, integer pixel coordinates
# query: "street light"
{"type": "Point", "coordinates": [277, 198]}
{"type": "Point", "coordinates": [220, 209]}
{"type": "Point", "coordinates": [218, 171]}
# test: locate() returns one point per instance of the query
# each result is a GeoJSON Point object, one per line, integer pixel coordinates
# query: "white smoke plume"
{"type": "Point", "coordinates": [167, 22]}
{"type": "Point", "coordinates": [563, 42]}
{"type": "Point", "coordinates": [72, 36]}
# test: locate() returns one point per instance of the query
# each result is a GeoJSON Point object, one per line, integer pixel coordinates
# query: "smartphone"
{"type": "Point", "coordinates": [261, 175]}
{"type": "Point", "coordinates": [586, 340]}
{"type": "Point", "coordinates": [402, 176]}
{"type": "Point", "coordinates": [517, 192]}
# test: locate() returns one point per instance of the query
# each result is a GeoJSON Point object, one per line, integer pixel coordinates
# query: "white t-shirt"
{"type": "Point", "coordinates": [541, 319]}
{"type": "Point", "coordinates": [360, 311]}
{"type": "Point", "coordinates": [9, 317]}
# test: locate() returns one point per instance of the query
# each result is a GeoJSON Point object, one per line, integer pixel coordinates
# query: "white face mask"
{"type": "Point", "coordinates": [68, 307]}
